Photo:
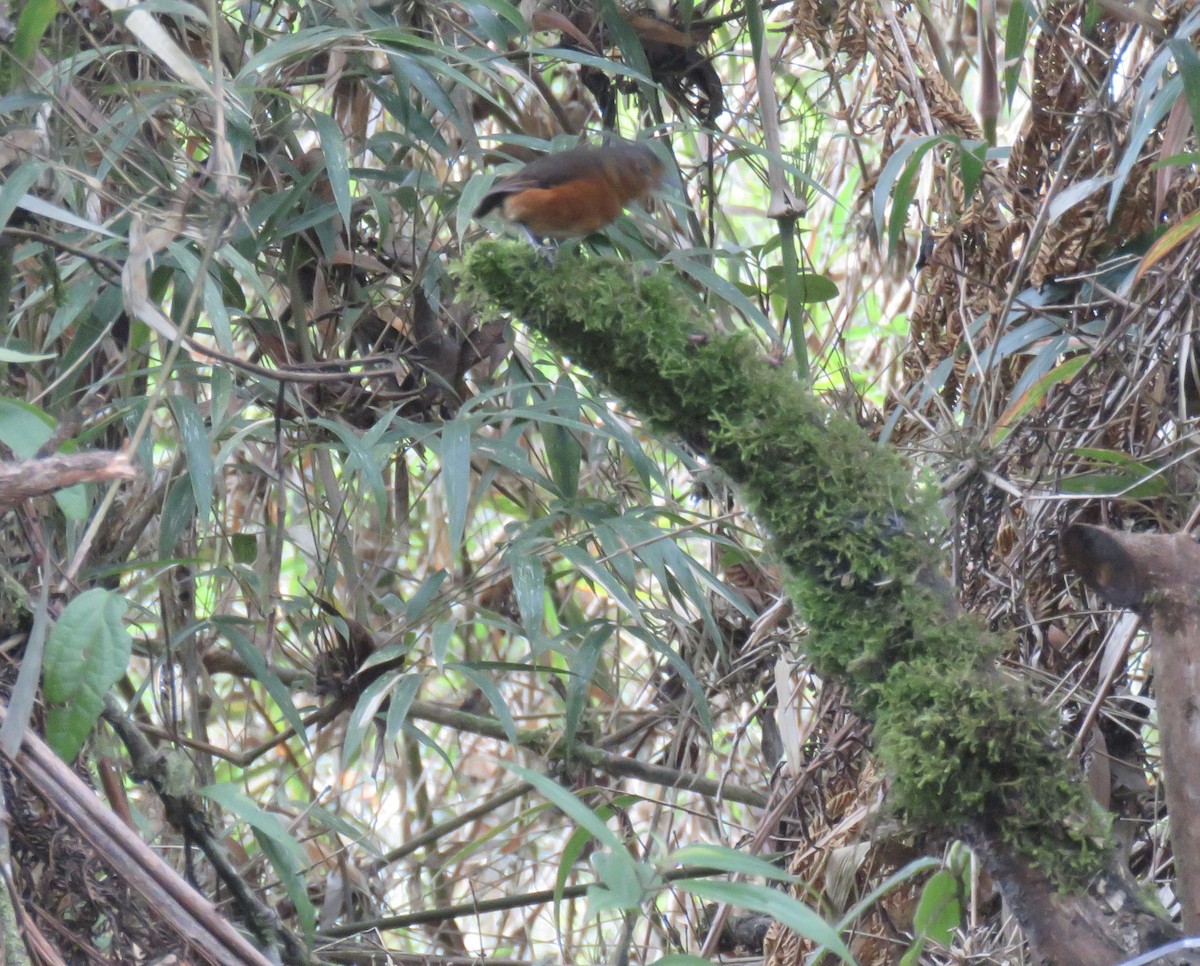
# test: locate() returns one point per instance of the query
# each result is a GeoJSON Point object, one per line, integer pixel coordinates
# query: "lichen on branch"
{"type": "Point", "coordinates": [858, 531]}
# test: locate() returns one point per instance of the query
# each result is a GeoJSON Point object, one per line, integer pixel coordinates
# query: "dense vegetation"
{"type": "Point", "coordinates": [399, 629]}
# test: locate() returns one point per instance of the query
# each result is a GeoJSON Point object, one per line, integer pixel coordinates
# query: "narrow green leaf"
{"type": "Point", "coordinates": [912, 150]}
{"type": "Point", "coordinates": [707, 856]}
{"type": "Point", "coordinates": [583, 665]}
{"type": "Point", "coordinates": [47, 209]}
{"type": "Point", "coordinates": [403, 696]}
{"type": "Point", "coordinates": [419, 602]}
{"type": "Point", "coordinates": [1036, 393]}
{"type": "Point", "coordinates": [440, 636]}
{"type": "Point", "coordinates": [262, 671]}
{"type": "Point", "coordinates": [583, 561]}
{"type": "Point", "coordinates": [282, 850]}
{"type": "Point", "coordinates": [468, 200]}
{"type": "Point", "coordinates": [87, 652]}
{"type": "Point", "coordinates": [1075, 193]}
{"type": "Point", "coordinates": [575, 810]}
{"type": "Point", "coordinates": [15, 355]}
{"type": "Point", "coordinates": [287, 46]}
{"type": "Point", "coordinates": [337, 164]}
{"type": "Point", "coordinates": [15, 186]}
{"type": "Point", "coordinates": [456, 476]}
{"type": "Point", "coordinates": [1016, 35]}
{"type": "Point", "coordinates": [363, 716]}
{"type": "Point", "coordinates": [563, 451]}
{"type": "Point", "coordinates": [627, 39]}
{"type": "Point", "coordinates": [360, 458]}
{"type": "Point", "coordinates": [488, 687]}
{"type": "Point", "coordinates": [529, 587]}
{"type": "Point", "coordinates": [194, 435]}
{"type": "Point", "coordinates": [683, 669]}
{"type": "Point", "coordinates": [897, 878]}
{"type": "Point", "coordinates": [1142, 129]}
{"type": "Point", "coordinates": [791, 912]}
{"type": "Point", "coordinates": [620, 887]}
{"type": "Point", "coordinates": [971, 157]}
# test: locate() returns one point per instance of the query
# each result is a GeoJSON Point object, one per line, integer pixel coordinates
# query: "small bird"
{"type": "Point", "coordinates": [574, 193]}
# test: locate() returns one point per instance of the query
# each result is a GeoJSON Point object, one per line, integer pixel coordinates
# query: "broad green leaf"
{"type": "Point", "coordinates": [939, 911]}
{"type": "Point", "coordinates": [816, 288]}
{"type": "Point", "coordinates": [87, 652]}
{"type": "Point", "coordinates": [790, 912]}
{"type": "Point", "coordinates": [24, 428]}
{"type": "Point", "coordinates": [36, 16]}
{"type": "Point", "coordinates": [620, 887]}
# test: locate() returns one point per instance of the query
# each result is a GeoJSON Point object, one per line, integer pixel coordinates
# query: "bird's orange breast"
{"type": "Point", "coordinates": [573, 208]}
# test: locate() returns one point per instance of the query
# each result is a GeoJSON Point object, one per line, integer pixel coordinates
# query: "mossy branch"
{"type": "Point", "coordinates": [859, 533]}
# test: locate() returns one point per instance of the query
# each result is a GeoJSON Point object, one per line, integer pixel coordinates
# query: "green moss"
{"type": "Point", "coordinates": [971, 746]}
{"type": "Point", "coordinates": [857, 530]}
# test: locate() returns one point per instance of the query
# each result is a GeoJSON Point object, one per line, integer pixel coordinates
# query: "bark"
{"type": "Point", "coordinates": [1158, 575]}
{"type": "Point", "coordinates": [29, 478]}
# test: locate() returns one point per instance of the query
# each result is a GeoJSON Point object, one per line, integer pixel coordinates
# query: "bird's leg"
{"type": "Point", "coordinates": [546, 251]}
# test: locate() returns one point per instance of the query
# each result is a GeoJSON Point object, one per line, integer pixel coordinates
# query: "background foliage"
{"type": "Point", "coordinates": [381, 554]}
